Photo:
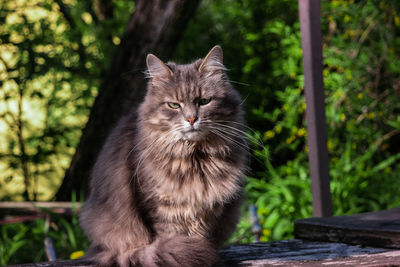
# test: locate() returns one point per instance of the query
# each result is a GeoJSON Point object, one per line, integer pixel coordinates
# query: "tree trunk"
{"type": "Point", "coordinates": [155, 27]}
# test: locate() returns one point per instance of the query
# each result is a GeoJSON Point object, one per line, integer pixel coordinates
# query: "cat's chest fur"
{"type": "Point", "coordinates": [194, 176]}
{"type": "Point", "coordinates": [190, 188]}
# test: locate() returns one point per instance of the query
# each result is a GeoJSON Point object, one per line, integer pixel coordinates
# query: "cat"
{"type": "Point", "coordinates": [167, 185]}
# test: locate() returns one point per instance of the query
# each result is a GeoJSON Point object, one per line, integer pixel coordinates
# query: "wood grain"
{"type": "Point", "coordinates": [377, 229]}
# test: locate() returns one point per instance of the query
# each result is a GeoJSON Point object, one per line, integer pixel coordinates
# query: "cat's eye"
{"type": "Point", "coordinates": [204, 101]}
{"type": "Point", "coordinates": [173, 105]}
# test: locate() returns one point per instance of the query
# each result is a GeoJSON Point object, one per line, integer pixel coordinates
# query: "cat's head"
{"type": "Point", "coordinates": [189, 101]}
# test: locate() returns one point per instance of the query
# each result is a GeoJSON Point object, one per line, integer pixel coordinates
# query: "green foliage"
{"type": "Point", "coordinates": [361, 80]}
{"type": "Point", "coordinates": [282, 199]}
{"type": "Point", "coordinates": [11, 244]}
{"type": "Point", "coordinates": [52, 54]}
{"type": "Point", "coordinates": [24, 242]}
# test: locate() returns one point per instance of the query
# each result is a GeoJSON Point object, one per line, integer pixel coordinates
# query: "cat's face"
{"type": "Point", "coordinates": [189, 102]}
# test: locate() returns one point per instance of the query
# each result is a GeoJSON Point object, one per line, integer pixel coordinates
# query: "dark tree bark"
{"type": "Point", "coordinates": [155, 27]}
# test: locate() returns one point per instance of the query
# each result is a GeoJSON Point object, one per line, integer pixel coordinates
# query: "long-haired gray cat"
{"type": "Point", "coordinates": [167, 186]}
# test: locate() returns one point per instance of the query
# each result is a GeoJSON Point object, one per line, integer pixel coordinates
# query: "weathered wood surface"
{"type": "Point", "coordinates": [288, 253]}
{"type": "Point", "coordinates": [310, 26]}
{"type": "Point", "coordinates": [14, 212]}
{"type": "Point", "coordinates": [377, 229]}
{"type": "Point", "coordinates": [36, 207]}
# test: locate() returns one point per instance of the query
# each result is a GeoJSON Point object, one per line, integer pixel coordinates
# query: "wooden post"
{"type": "Point", "coordinates": [310, 26]}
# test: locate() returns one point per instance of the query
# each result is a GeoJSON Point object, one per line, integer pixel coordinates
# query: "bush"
{"type": "Point", "coordinates": [24, 242]}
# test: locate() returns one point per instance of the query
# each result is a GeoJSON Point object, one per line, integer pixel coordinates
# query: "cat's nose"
{"type": "Point", "coordinates": [192, 120]}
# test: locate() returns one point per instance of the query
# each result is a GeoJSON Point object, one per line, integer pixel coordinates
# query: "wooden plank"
{"type": "Point", "coordinates": [305, 253]}
{"type": "Point", "coordinates": [14, 212]}
{"type": "Point", "coordinates": [60, 263]}
{"type": "Point", "coordinates": [287, 253]}
{"type": "Point", "coordinates": [310, 26]}
{"type": "Point", "coordinates": [36, 207]}
{"type": "Point", "coordinates": [379, 229]}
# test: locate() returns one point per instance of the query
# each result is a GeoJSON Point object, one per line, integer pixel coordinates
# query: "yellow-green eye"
{"type": "Point", "coordinates": [173, 105]}
{"type": "Point", "coordinates": [204, 101]}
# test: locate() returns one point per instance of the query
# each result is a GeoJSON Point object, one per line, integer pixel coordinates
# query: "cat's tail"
{"type": "Point", "coordinates": [176, 251]}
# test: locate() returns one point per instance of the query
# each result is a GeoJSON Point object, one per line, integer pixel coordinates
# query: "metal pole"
{"type": "Point", "coordinates": [310, 26]}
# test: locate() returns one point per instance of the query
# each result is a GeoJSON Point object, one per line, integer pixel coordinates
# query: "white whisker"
{"type": "Point", "coordinates": [236, 82]}
{"type": "Point", "coordinates": [258, 141]}
{"type": "Point", "coordinates": [221, 134]}
{"type": "Point", "coordinates": [244, 100]}
{"type": "Point", "coordinates": [218, 132]}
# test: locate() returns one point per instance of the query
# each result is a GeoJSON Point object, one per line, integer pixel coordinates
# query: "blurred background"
{"type": "Point", "coordinates": [54, 55]}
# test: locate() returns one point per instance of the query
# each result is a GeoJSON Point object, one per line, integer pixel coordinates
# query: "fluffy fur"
{"type": "Point", "coordinates": [167, 186]}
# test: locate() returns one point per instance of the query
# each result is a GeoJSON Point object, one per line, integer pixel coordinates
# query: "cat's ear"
{"type": "Point", "coordinates": [157, 68]}
{"type": "Point", "coordinates": [213, 61]}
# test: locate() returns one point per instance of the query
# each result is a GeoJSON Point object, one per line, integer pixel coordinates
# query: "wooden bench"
{"type": "Point", "coordinates": [368, 239]}
{"type": "Point", "coordinates": [292, 252]}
